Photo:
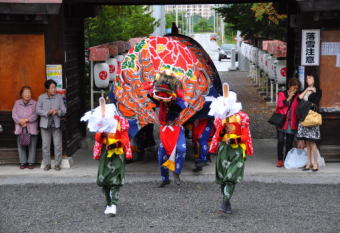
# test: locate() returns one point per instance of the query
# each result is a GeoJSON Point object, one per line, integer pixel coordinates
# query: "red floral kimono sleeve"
{"type": "Point", "coordinates": [245, 133]}
{"type": "Point", "coordinates": [98, 145]}
{"type": "Point", "coordinates": [124, 128]}
{"type": "Point", "coordinates": [215, 142]}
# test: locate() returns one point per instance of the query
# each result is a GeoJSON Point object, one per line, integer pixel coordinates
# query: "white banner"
{"type": "Point", "coordinates": [310, 48]}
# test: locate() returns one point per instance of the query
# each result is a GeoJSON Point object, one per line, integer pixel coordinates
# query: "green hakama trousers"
{"type": "Point", "coordinates": [111, 174]}
{"type": "Point", "coordinates": [229, 169]}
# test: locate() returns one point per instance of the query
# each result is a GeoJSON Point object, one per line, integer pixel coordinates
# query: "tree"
{"type": "Point", "coordinates": [170, 18]}
{"type": "Point", "coordinates": [254, 21]}
{"type": "Point", "coordinates": [267, 10]}
{"type": "Point", "coordinates": [119, 23]}
{"type": "Point", "coordinates": [203, 25]}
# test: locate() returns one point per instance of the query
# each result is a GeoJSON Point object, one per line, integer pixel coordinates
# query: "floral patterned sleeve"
{"type": "Point", "coordinates": [124, 127]}
{"type": "Point", "coordinates": [246, 136]}
{"type": "Point", "coordinates": [97, 150]}
{"type": "Point", "coordinates": [215, 142]}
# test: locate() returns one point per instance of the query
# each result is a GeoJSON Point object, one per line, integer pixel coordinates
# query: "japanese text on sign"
{"type": "Point", "coordinates": [310, 49]}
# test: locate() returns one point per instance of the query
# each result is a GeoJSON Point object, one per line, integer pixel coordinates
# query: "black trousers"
{"type": "Point", "coordinates": [284, 140]}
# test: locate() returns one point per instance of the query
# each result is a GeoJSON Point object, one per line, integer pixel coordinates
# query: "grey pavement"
{"type": "Point", "coordinates": [191, 207]}
{"type": "Point", "coordinates": [269, 199]}
{"type": "Point", "coordinates": [211, 47]}
{"type": "Point", "coordinates": [260, 167]}
{"type": "Point", "coordinates": [253, 104]}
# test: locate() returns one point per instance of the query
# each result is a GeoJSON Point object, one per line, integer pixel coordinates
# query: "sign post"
{"type": "Point", "coordinates": [310, 49]}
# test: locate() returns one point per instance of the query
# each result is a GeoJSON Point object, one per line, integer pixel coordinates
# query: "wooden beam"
{"type": "Point", "coordinates": [164, 2]}
{"type": "Point", "coordinates": [318, 5]}
{"type": "Point", "coordinates": [29, 9]}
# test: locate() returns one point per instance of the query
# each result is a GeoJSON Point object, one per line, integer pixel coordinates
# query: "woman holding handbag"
{"type": "Point", "coordinates": [310, 134]}
{"type": "Point", "coordinates": [26, 127]}
{"type": "Point", "coordinates": [286, 106]}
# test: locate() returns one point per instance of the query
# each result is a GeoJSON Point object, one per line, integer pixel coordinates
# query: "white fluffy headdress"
{"type": "Point", "coordinates": [101, 119]}
{"type": "Point", "coordinates": [226, 105]}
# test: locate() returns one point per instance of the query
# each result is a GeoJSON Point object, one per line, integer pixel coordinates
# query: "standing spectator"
{"type": "Point", "coordinates": [287, 103]}
{"type": "Point", "coordinates": [311, 135]}
{"type": "Point", "coordinates": [51, 108]}
{"type": "Point", "coordinates": [26, 121]}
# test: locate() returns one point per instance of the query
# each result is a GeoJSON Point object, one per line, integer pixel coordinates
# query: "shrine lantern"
{"type": "Point", "coordinates": [120, 59]}
{"type": "Point", "coordinates": [113, 65]}
{"type": "Point", "coordinates": [268, 62]}
{"type": "Point", "coordinates": [281, 71]}
{"type": "Point", "coordinates": [261, 54]}
{"type": "Point", "coordinates": [101, 75]}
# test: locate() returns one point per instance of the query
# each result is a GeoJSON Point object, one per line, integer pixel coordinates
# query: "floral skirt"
{"type": "Point", "coordinates": [308, 133]}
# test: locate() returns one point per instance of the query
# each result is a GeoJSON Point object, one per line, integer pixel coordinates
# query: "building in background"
{"type": "Point", "coordinates": [204, 10]}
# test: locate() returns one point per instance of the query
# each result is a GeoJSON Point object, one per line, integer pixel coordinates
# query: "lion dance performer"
{"type": "Point", "coordinates": [164, 81]}
{"type": "Point", "coordinates": [233, 141]}
{"type": "Point", "coordinates": [166, 93]}
{"type": "Point", "coordinates": [112, 144]}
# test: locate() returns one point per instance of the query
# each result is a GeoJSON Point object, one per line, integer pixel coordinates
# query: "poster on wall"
{"type": "Point", "coordinates": [55, 72]}
{"type": "Point", "coordinates": [330, 48]}
{"type": "Point", "coordinates": [310, 48]}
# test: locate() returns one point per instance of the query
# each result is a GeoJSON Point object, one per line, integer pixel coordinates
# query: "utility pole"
{"type": "Point", "coordinates": [192, 25]}
{"type": "Point", "coordinates": [158, 12]}
{"type": "Point", "coordinates": [176, 15]}
{"type": "Point", "coordinates": [182, 28]}
{"type": "Point", "coordinates": [222, 30]}
{"type": "Point", "coordinates": [214, 21]}
{"type": "Point", "coordinates": [189, 24]}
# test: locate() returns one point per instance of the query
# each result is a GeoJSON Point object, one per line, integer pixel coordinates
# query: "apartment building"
{"type": "Point", "coordinates": [204, 10]}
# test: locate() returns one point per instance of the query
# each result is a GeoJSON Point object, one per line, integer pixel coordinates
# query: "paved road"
{"type": "Point", "coordinates": [253, 104]}
{"type": "Point", "coordinates": [192, 207]}
{"type": "Point", "coordinates": [211, 47]}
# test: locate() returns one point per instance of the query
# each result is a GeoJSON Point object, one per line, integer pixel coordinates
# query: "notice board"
{"type": "Point", "coordinates": [330, 70]}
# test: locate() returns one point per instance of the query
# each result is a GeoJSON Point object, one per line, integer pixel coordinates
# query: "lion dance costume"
{"type": "Point", "coordinates": [232, 142]}
{"type": "Point", "coordinates": [164, 82]}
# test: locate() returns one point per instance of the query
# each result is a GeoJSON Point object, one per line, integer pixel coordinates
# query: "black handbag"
{"type": "Point", "coordinates": [277, 119]}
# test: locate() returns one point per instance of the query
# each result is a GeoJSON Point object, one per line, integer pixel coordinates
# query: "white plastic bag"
{"type": "Point", "coordinates": [295, 158]}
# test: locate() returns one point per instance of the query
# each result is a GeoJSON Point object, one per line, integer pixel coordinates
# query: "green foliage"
{"type": "Point", "coordinates": [229, 34]}
{"type": "Point", "coordinates": [203, 25]}
{"type": "Point", "coordinates": [242, 17]}
{"type": "Point", "coordinates": [119, 23]}
{"type": "Point", "coordinates": [200, 24]}
{"type": "Point", "coordinates": [170, 17]}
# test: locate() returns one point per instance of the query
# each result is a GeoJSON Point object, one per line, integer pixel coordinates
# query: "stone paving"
{"type": "Point", "coordinates": [253, 104]}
